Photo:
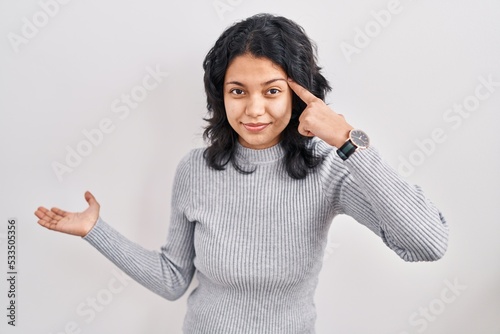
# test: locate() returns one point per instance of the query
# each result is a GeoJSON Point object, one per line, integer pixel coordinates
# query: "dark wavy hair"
{"type": "Point", "coordinates": [286, 44]}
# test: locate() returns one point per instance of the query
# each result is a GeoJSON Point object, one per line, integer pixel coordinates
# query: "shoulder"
{"type": "Point", "coordinates": [327, 153]}
{"type": "Point", "coordinates": [195, 154]}
{"type": "Point", "coordinates": [192, 161]}
{"type": "Point", "coordinates": [332, 170]}
{"type": "Point", "coordinates": [320, 148]}
{"type": "Point", "coordinates": [188, 168]}
{"type": "Point", "coordinates": [364, 158]}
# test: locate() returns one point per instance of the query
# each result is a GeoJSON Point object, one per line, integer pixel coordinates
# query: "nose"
{"type": "Point", "coordinates": [255, 107]}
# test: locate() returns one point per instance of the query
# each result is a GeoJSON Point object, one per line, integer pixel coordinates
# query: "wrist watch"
{"type": "Point", "coordinates": [358, 139]}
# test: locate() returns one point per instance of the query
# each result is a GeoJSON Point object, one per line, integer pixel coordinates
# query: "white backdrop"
{"type": "Point", "coordinates": [108, 96]}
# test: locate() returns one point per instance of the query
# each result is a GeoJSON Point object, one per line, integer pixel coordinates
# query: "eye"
{"type": "Point", "coordinates": [236, 91]}
{"type": "Point", "coordinates": [273, 91]}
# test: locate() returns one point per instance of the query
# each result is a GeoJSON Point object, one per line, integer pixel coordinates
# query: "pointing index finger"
{"type": "Point", "coordinates": [301, 92]}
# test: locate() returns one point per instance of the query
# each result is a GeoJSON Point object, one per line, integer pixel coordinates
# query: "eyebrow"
{"type": "Point", "coordinates": [262, 84]}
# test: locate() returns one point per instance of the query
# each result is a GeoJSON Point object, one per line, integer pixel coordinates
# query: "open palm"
{"type": "Point", "coordinates": [75, 223]}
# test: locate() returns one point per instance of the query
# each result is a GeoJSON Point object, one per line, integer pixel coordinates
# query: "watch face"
{"type": "Point", "coordinates": [359, 138]}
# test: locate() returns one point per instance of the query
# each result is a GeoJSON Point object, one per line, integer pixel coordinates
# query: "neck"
{"type": "Point", "coordinates": [270, 154]}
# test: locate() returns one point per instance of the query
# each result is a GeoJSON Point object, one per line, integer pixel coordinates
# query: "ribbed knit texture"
{"type": "Point", "coordinates": [256, 241]}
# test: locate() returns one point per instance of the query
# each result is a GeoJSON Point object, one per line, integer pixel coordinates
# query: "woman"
{"type": "Point", "coordinates": [251, 212]}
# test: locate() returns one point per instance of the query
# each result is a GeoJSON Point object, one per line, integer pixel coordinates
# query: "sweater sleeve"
{"type": "Point", "coordinates": [167, 272]}
{"type": "Point", "coordinates": [369, 190]}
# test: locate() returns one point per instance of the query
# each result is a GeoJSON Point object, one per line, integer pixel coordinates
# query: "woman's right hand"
{"type": "Point", "coordinates": [75, 223]}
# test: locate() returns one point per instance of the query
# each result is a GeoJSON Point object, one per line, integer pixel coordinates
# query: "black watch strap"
{"type": "Point", "coordinates": [346, 150]}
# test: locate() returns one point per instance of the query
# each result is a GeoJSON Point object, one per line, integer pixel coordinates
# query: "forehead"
{"type": "Point", "coordinates": [253, 69]}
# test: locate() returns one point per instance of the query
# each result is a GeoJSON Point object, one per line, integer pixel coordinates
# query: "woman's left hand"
{"type": "Point", "coordinates": [319, 120]}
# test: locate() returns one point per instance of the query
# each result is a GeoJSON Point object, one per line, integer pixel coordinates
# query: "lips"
{"type": "Point", "coordinates": [255, 127]}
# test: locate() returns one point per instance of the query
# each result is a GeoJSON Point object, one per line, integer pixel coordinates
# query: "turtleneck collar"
{"type": "Point", "coordinates": [270, 154]}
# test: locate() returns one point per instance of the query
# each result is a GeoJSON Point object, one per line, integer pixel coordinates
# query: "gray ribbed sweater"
{"type": "Point", "coordinates": [257, 241]}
